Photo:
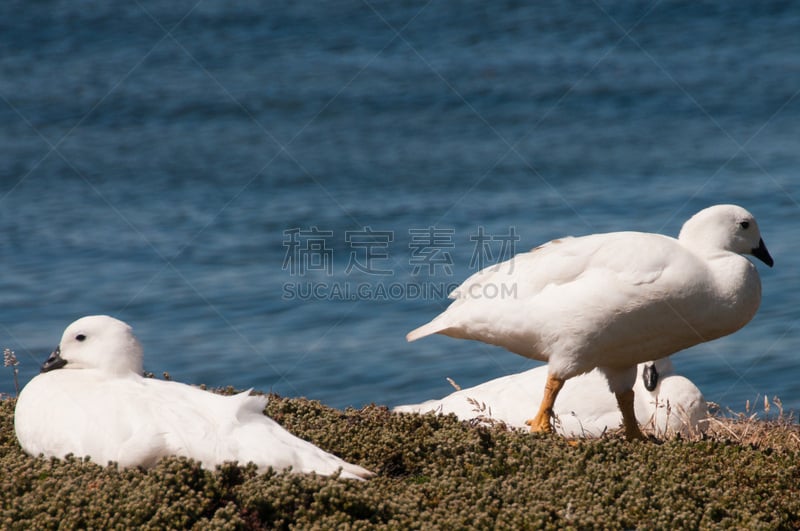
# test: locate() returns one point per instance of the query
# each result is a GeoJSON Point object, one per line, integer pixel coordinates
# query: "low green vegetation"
{"type": "Point", "coordinates": [431, 472]}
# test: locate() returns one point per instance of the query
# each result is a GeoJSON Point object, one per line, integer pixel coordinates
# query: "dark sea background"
{"type": "Point", "coordinates": [168, 163]}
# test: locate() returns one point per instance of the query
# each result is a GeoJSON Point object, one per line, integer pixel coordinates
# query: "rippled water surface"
{"type": "Point", "coordinates": [209, 172]}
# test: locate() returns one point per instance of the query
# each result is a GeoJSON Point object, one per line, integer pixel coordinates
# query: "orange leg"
{"type": "Point", "coordinates": [625, 402]}
{"type": "Point", "coordinates": [541, 422]}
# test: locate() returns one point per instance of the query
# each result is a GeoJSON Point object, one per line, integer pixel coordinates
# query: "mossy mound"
{"type": "Point", "coordinates": [432, 471]}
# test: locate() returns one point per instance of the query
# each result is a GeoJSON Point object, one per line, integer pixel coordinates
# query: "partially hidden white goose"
{"type": "Point", "coordinates": [611, 301]}
{"type": "Point", "coordinates": [92, 400]}
{"type": "Point", "coordinates": [664, 402]}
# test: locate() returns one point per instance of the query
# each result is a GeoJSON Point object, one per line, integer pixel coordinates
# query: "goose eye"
{"type": "Point", "coordinates": [744, 224]}
{"type": "Point", "coordinates": [80, 337]}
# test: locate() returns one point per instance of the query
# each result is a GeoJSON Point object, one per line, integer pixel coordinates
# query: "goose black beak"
{"type": "Point", "coordinates": [55, 361]}
{"type": "Point", "coordinates": [650, 377]}
{"type": "Point", "coordinates": [762, 254]}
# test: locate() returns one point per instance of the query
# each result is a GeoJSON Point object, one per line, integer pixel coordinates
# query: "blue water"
{"type": "Point", "coordinates": [158, 159]}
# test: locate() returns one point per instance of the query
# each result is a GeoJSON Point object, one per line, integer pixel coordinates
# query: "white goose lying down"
{"type": "Point", "coordinates": [665, 402]}
{"type": "Point", "coordinates": [611, 301]}
{"type": "Point", "coordinates": [92, 400]}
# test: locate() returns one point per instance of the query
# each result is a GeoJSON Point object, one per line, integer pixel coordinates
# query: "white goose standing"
{"type": "Point", "coordinates": [92, 400]}
{"type": "Point", "coordinates": [610, 301]}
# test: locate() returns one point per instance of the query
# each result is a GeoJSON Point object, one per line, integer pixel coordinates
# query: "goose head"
{"type": "Point", "coordinates": [725, 228]}
{"type": "Point", "coordinates": [97, 342]}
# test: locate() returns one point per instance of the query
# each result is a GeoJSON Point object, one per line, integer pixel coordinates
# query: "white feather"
{"type": "Point", "coordinates": [585, 406]}
{"type": "Point", "coordinates": [614, 300]}
{"type": "Point", "coordinates": [97, 405]}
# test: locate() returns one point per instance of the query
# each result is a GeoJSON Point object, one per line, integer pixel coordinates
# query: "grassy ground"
{"type": "Point", "coordinates": [432, 472]}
